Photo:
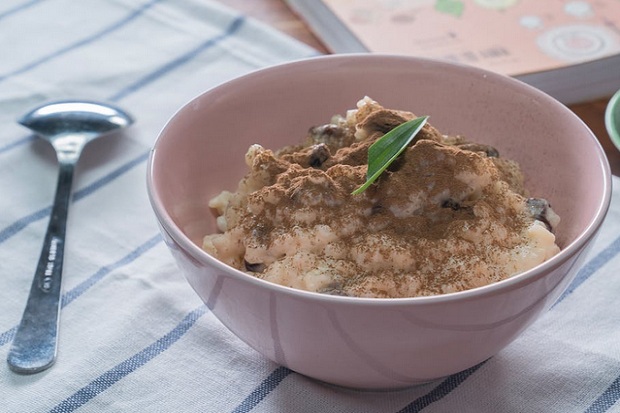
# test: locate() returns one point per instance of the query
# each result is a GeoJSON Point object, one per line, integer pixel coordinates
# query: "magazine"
{"type": "Point", "coordinates": [569, 49]}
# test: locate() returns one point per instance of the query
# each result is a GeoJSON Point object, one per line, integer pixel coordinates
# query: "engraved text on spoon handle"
{"type": "Point", "coordinates": [35, 344]}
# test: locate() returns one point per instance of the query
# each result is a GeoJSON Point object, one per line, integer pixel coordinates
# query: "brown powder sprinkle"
{"type": "Point", "coordinates": [446, 216]}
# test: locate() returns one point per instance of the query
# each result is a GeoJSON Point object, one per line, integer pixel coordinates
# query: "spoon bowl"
{"type": "Point", "coordinates": [68, 126]}
{"type": "Point", "coordinates": [75, 118]}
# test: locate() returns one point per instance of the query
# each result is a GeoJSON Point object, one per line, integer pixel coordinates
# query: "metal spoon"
{"type": "Point", "coordinates": [68, 126]}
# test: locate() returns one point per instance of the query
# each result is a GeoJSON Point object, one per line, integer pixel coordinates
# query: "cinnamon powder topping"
{"type": "Point", "coordinates": [446, 216]}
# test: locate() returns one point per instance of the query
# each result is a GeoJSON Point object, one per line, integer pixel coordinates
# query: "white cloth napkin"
{"type": "Point", "coordinates": [134, 337]}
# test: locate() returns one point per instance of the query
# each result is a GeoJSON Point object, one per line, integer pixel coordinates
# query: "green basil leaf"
{"type": "Point", "coordinates": [387, 148]}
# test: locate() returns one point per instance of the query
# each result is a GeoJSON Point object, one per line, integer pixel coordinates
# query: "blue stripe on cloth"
{"type": "Point", "coordinates": [15, 144]}
{"type": "Point", "coordinates": [81, 288]}
{"type": "Point", "coordinates": [592, 266]}
{"type": "Point", "coordinates": [23, 222]}
{"type": "Point", "coordinates": [230, 30]}
{"type": "Point", "coordinates": [606, 400]}
{"type": "Point", "coordinates": [612, 394]}
{"type": "Point", "coordinates": [103, 181]}
{"type": "Point", "coordinates": [155, 75]}
{"type": "Point", "coordinates": [83, 42]}
{"type": "Point", "coordinates": [19, 8]}
{"type": "Point", "coordinates": [7, 336]}
{"type": "Point", "coordinates": [264, 388]}
{"type": "Point", "coordinates": [120, 371]}
{"type": "Point", "coordinates": [85, 285]}
{"type": "Point", "coordinates": [441, 391]}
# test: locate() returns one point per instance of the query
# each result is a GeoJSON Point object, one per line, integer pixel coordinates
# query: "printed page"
{"type": "Point", "coordinates": [507, 36]}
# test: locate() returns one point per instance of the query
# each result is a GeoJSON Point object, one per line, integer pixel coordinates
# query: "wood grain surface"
{"type": "Point", "coordinates": [277, 14]}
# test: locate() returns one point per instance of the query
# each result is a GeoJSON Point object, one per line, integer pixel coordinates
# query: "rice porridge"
{"type": "Point", "coordinates": [448, 215]}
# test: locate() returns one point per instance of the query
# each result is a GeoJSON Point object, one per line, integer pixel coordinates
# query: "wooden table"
{"type": "Point", "coordinates": [277, 14]}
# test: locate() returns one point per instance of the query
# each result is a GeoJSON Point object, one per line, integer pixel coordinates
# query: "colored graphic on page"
{"type": "Point", "coordinates": [496, 4]}
{"type": "Point", "coordinates": [506, 36]}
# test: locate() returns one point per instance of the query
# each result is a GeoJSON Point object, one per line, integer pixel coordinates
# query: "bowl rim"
{"type": "Point", "coordinates": [168, 225]}
{"type": "Point", "coordinates": [612, 114]}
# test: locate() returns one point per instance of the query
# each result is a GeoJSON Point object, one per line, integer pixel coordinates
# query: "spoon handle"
{"type": "Point", "coordinates": [34, 347]}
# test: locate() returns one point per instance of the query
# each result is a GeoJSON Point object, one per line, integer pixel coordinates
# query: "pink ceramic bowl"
{"type": "Point", "coordinates": [374, 343]}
